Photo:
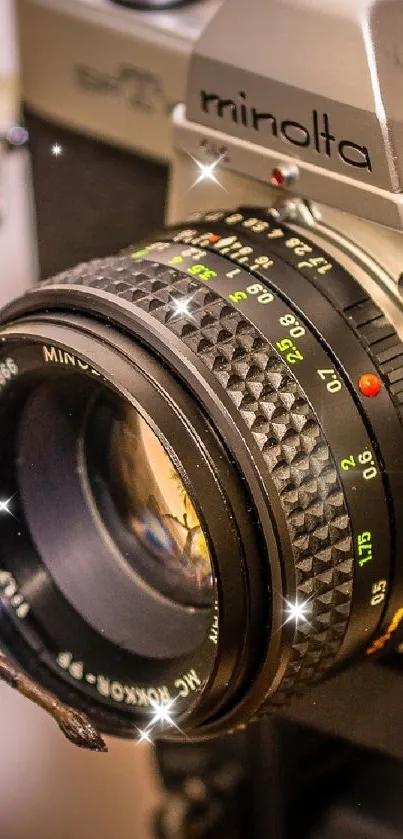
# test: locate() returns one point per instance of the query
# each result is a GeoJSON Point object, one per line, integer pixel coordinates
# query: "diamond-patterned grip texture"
{"type": "Point", "coordinates": [277, 413]}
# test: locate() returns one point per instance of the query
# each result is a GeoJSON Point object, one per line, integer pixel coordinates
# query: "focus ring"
{"type": "Point", "coordinates": [288, 434]}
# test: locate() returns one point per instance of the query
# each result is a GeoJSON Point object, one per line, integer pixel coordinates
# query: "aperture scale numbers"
{"type": "Point", "coordinates": [308, 260]}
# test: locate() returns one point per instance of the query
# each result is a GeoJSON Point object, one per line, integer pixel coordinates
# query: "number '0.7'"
{"type": "Point", "coordinates": [333, 383]}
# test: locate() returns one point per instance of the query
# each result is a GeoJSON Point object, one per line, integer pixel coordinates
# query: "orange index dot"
{"type": "Point", "coordinates": [213, 238]}
{"type": "Point", "coordinates": [369, 384]}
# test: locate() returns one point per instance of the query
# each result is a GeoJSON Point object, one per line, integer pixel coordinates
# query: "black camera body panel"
{"type": "Point", "coordinates": [92, 200]}
{"type": "Point", "coordinates": [361, 705]}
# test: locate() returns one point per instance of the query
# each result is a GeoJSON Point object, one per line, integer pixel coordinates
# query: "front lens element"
{"type": "Point", "coordinates": [128, 463]}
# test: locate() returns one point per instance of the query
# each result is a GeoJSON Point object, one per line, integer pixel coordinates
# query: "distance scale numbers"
{"type": "Point", "coordinates": [299, 252]}
{"type": "Point", "coordinates": [317, 373]}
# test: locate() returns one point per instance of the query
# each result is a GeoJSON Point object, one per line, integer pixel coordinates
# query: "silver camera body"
{"type": "Point", "coordinates": [100, 82]}
{"type": "Point", "coordinates": [310, 89]}
{"type": "Point", "coordinates": [107, 71]}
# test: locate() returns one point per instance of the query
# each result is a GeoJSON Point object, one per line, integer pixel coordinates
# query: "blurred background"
{"type": "Point", "coordinates": [48, 788]}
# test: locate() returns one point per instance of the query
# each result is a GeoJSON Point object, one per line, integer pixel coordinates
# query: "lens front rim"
{"type": "Point", "coordinates": [81, 554]}
{"type": "Point", "coordinates": [227, 653]}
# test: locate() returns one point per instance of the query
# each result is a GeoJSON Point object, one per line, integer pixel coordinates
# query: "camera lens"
{"type": "Point", "coordinates": [202, 459]}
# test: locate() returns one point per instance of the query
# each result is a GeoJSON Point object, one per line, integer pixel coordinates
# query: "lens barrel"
{"type": "Point", "coordinates": [241, 348]}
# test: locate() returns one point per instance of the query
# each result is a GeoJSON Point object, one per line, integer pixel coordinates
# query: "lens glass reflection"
{"type": "Point", "coordinates": [168, 546]}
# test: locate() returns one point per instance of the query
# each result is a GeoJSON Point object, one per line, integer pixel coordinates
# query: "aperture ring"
{"type": "Point", "coordinates": [278, 415]}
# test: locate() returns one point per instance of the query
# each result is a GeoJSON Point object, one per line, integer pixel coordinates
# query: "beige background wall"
{"type": "Point", "coordinates": [49, 789]}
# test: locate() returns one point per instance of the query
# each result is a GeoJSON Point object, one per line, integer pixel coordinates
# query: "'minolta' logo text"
{"type": "Point", "coordinates": [316, 134]}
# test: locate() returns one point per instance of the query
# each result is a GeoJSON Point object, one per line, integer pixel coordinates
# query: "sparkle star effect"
{"type": "Point", "coordinates": [297, 611]}
{"type": "Point", "coordinates": [163, 714]}
{"type": "Point", "coordinates": [57, 150]}
{"type": "Point", "coordinates": [207, 172]}
{"type": "Point", "coordinates": [182, 307]}
{"type": "Point", "coordinates": [144, 736]}
{"type": "Point", "coordinates": [5, 506]}
{"type": "Point", "coordinates": [162, 717]}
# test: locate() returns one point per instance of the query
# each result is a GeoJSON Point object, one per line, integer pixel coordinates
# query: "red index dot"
{"type": "Point", "coordinates": [277, 177]}
{"type": "Point", "coordinates": [369, 384]}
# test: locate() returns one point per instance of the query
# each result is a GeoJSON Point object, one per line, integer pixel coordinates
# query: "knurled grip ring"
{"type": "Point", "coordinates": [277, 414]}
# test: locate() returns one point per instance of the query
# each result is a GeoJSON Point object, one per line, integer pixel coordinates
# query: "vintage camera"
{"type": "Point", "coordinates": [201, 437]}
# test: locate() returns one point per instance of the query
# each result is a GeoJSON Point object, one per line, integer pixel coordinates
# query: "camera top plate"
{"type": "Point", "coordinates": [317, 83]}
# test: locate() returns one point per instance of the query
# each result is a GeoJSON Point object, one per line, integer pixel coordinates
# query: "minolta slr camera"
{"type": "Point", "coordinates": [201, 427]}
